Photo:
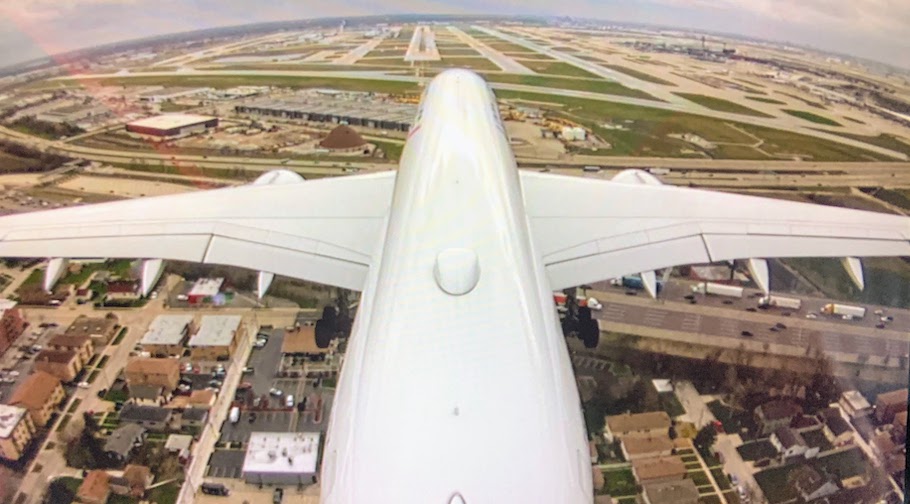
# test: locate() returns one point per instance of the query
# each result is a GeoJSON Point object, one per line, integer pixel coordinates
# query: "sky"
{"type": "Point", "coordinates": [873, 29]}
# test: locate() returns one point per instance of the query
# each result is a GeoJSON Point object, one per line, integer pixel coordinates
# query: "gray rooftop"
{"type": "Point", "coordinates": [123, 438]}
{"type": "Point", "coordinates": [216, 330]}
{"type": "Point", "coordinates": [166, 330]}
{"type": "Point", "coordinates": [136, 413]}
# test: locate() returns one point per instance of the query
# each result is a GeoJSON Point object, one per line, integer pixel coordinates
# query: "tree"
{"type": "Point", "coordinates": [58, 492]}
{"type": "Point", "coordinates": [705, 438]}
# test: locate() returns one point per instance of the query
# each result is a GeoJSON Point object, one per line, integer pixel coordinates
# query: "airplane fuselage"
{"type": "Point", "coordinates": [457, 380]}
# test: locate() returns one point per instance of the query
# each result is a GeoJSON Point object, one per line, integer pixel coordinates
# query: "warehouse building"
{"type": "Point", "coordinates": [281, 458]}
{"type": "Point", "coordinates": [387, 115]}
{"type": "Point", "coordinates": [73, 114]}
{"type": "Point", "coordinates": [217, 337]}
{"type": "Point", "coordinates": [172, 125]}
{"type": "Point", "coordinates": [167, 94]}
{"type": "Point", "coordinates": [167, 334]}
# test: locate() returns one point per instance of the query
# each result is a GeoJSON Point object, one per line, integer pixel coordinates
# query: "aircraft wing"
{"type": "Point", "coordinates": [590, 230]}
{"type": "Point", "coordinates": [324, 230]}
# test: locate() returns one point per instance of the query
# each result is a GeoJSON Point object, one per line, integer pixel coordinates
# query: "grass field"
{"type": "Point", "coordinates": [721, 104]}
{"type": "Point", "coordinates": [529, 56]}
{"type": "Point", "coordinates": [887, 280]}
{"type": "Point", "coordinates": [466, 51]}
{"type": "Point", "coordinates": [619, 483]}
{"type": "Point", "coordinates": [809, 116]}
{"type": "Point", "coordinates": [8, 162]}
{"type": "Point", "coordinates": [648, 130]}
{"type": "Point", "coordinates": [883, 140]}
{"type": "Point", "coordinates": [228, 81]}
{"type": "Point", "coordinates": [737, 152]}
{"type": "Point", "coordinates": [765, 100]}
{"type": "Point", "coordinates": [478, 63]}
{"type": "Point", "coordinates": [592, 85]}
{"type": "Point", "coordinates": [857, 121]}
{"type": "Point", "coordinates": [807, 102]}
{"type": "Point", "coordinates": [639, 75]}
{"type": "Point", "coordinates": [558, 68]}
{"type": "Point", "coordinates": [503, 46]}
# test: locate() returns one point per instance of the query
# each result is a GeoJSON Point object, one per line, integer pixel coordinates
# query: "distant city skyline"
{"type": "Point", "coordinates": [872, 29]}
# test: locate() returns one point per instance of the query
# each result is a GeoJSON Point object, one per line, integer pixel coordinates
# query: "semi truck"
{"type": "Point", "coordinates": [718, 289]}
{"type": "Point", "coordinates": [780, 302]}
{"type": "Point", "coordinates": [846, 311]}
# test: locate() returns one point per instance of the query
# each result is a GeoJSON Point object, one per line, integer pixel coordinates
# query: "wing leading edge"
{"type": "Point", "coordinates": [324, 230]}
{"type": "Point", "coordinates": [589, 230]}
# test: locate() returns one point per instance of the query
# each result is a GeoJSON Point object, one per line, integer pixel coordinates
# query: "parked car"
{"type": "Point", "coordinates": [289, 401]}
{"type": "Point", "coordinates": [275, 392]}
{"type": "Point", "coordinates": [249, 370]}
{"type": "Point", "coordinates": [780, 326]}
{"type": "Point", "coordinates": [259, 343]}
{"type": "Point", "coordinates": [83, 384]}
{"type": "Point", "coordinates": [746, 334]}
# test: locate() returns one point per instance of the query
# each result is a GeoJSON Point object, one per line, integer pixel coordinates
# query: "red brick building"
{"type": "Point", "coordinates": [11, 327]}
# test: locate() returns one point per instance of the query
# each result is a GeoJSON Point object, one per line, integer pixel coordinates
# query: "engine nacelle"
{"type": "Point", "coordinates": [639, 177]}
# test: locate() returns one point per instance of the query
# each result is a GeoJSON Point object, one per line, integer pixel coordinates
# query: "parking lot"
{"type": "Point", "coordinates": [17, 364]}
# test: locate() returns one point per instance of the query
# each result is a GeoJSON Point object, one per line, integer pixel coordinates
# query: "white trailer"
{"type": "Point", "coordinates": [845, 311]}
{"type": "Point", "coordinates": [718, 289]}
{"type": "Point", "coordinates": [781, 302]}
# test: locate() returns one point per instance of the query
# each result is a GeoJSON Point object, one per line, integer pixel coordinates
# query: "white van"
{"type": "Point", "coordinates": [289, 401]}
{"type": "Point", "coordinates": [234, 415]}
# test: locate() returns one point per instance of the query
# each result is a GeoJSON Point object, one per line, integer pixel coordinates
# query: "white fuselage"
{"type": "Point", "coordinates": [470, 395]}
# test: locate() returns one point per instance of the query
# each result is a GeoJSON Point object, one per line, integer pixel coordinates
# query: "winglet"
{"type": "Point", "coordinates": [262, 285]}
{"type": "Point", "coordinates": [55, 268]}
{"type": "Point", "coordinates": [854, 268]}
{"type": "Point", "coordinates": [759, 270]}
{"type": "Point", "coordinates": [649, 280]}
{"type": "Point", "coordinates": [151, 272]}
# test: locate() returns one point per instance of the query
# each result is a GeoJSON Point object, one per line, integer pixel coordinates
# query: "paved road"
{"type": "Point", "coordinates": [688, 107]}
{"type": "Point", "coordinates": [359, 52]}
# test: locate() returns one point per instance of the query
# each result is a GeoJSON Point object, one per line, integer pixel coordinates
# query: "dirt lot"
{"type": "Point", "coordinates": [125, 188]}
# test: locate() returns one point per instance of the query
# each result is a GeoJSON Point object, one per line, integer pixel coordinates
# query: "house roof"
{"type": "Point", "coordinates": [56, 356]}
{"type": "Point", "coordinates": [893, 398]}
{"type": "Point", "coordinates": [301, 340]}
{"type": "Point", "coordinates": [146, 392]}
{"type": "Point", "coordinates": [138, 413]}
{"type": "Point", "coordinates": [855, 400]}
{"type": "Point", "coordinates": [122, 439]}
{"type": "Point", "coordinates": [635, 445]}
{"type": "Point", "coordinates": [659, 468]}
{"type": "Point", "coordinates": [10, 416]}
{"type": "Point", "coordinates": [137, 475]}
{"type": "Point", "coordinates": [153, 366]}
{"type": "Point", "coordinates": [96, 486]}
{"type": "Point", "coordinates": [671, 492]}
{"type": "Point", "coordinates": [788, 437]}
{"type": "Point", "coordinates": [779, 410]}
{"type": "Point", "coordinates": [195, 414]}
{"type": "Point", "coordinates": [178, 442]}
{"type": "Point", "coordinates": [88, 326]}
{"type": "Point", "coordinates": [35, 391]}
{"type": "Point", "coordinates": [900, 419]}
{"type": "Point", "coordinates": [216, 330]}
{"type": "Point", "coordinates": [65, 341]}
{"type": "Point", "coordinates": [621, 424]}
{"type": "Point", "coordinates": [123, 287]}
{"type": "Point", "coordinates": [166, 330]}
{"type": "Point", "coordinates": [805, 479]}
{"type": "Point", "coordinates": [836, 423]}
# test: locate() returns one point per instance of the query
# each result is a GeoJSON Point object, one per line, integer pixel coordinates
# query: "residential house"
{"type": "Point", "coordinates": [16, 431]}
{"type": "Point", "coordinates": [836, 429]}
{"type": "Point", "coordinates": [99, 329]}
{"type": "Point", "coordinates": [640, 447]}
{"type": "Point", "coordinates": [790, 443]}
{"type": "Point", "coordinates": [120, 444]}
{"type": "Point", "coordinates": [95, 488]}
{"type": "Point", "coordinates": [39, 393]}
{"type": "Point", "coordinates": [12, 324]}
{"type": "Point", "coordinates": [216, 338]}
{"type": "Point", "coordinates": [653, 470]}
{"type": "Point", "coordinates": [134, 482]}
{"type": "Point", "coordinates": [654, 423]}
{"type": "Point", "coordinates": [193, 417]}
{"type": "Point", "coordinates": [167, 334]}
{"type": "Point", "coordinates": [204, 399]}
{"type": "Point", "coordinates": [148, 395]}
{"type": "Point", "coordinates": [889, 404]}
{"type": "Point", "coordinates": [123, 290]}
{"type": "Point", "coordinates": [153, 418]}
{"type": "Point", "coordinates": [811, 484]}
{"type": "Point", "coordinates": [671, 492]}
{"type": "Point", "coordinates": [854, 404]}
{"type": "Point", "coordinates": [152, 371]}
{"type": "Point", "coordinates": [883, 446]}
{"type": "Point", "coordinates": [775, 414]}
{"type": "Point", "coordinates": [64, 364]}
{"type": "Point", "coordinates": [82, 345]}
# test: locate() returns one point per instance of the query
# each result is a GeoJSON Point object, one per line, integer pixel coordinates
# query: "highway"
{"type": "Point", "coordinates": [686, 107]}
{"type": "Point", "coordinates": [715, 321]}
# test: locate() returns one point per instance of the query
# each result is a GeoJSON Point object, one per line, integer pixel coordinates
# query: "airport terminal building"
{"type": "Point", "coordinates": [383, 115]}
{"type": "Point", "coordinates": [172, 125]}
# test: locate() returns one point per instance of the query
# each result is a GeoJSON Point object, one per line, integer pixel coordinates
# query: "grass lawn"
{"type": "Point", "coordinates": [721, 104]}
{"type": "Point", "coordinates": [670, 404]}
{"type": "Point", "coordinates": [477, 63]}
{"type": "Point", "coordinates": [809, 116]}
{"type": "Point", "coordinates": [720, 478]}
{"type": "Point", "coordinates": [120, 336]}
{"type": "Point", "coordinates": [91, 377]}
{"type": "Point", "coordinates": [459, 51]}
{"type": "Point", "coordinates": [774, 485]}
{"type": "Point", "coordinates": [103, 362]}
{"type": "Point", "coordinates": [639, 75]}
{"type": "Point", "coordinates": [76, 403]}
{"type": "Point", "coordinates": [558, 68]}
{"type": "Point", "coordinates": [165, 494]}
{"type": "Point", "coordinates": [116, 395]}
{"type": "Point", "coordinates": [8, 162]}
{"type": "Point", "coordinates": [781, 142]}
{"type": "Point", "coordinates": [728, 151]}
{"type": "Point", "coordinates": [620, 483]}
{"type": "Point", "coordinates": [392, 150]}
{"type": "Point", "coordinates": [807, 102]}
{"type": "Point", "coordinates": [698, 477]}
{"type": "Point", "coordinates": [503, 46]}
{"type": "Point", "coordinates": [63, 421]}
{"type": "Point", "coordinates": [592, 85]}
{"type": "Point", "coordinates": [765, 100]}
